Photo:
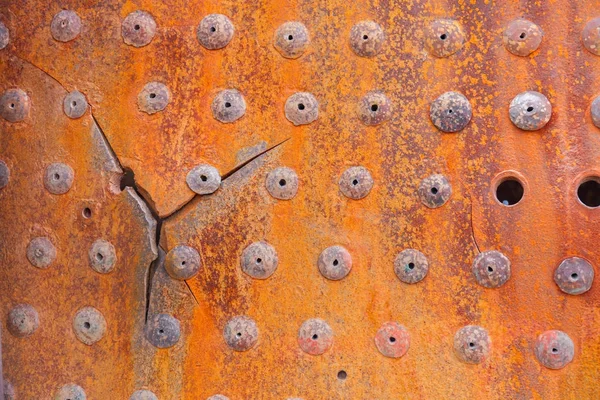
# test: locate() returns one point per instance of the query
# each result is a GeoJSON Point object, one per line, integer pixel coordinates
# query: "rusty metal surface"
{"type": "Point", "coordinates": [335, 157]}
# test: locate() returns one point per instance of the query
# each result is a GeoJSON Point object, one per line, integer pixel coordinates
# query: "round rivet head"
{"type": "Point", "coordinates": [4, 36]}
{"type": "Point", "coordinates": [335, 263]}
{"type": "Point", "coordinates": [450, 112]}
{"type": "Point", "coordinates": [259, 260]}
{"type": "Point", "coordinates": [411, 266]}
{"type": "Point", "coordinates": [591, 36]}
{"type": "Point", "coordinates": [4, 174]}
{"type": "Point", "coordinates": [203, 179]}
{"type": "Point", "coordinates": [89, 325]}
{"type": "Point", "coordinates": [491, 269]}
{"type": "Point", "coordinates": [282, 183]}
{"type": "Point", "coordinates": [58, 178]}
{"type": "Point", "coordinates": [163, 331]}
{"type": "Point", "coordinates": [444, 37]}
{"type": "Point", "coordinates": [301, 108]}
{"type": "Point", "coordinates": [315, 336]}
{"type": "Point", "coordinates": [70, 392]}
{"type": "Point", "coordinates": [138, 28]}
{"type": "Point", "coordinates": [595, 111]}
{"type": "Point", "coordinates": [14, 105]}
{"type": "Point", "coordinates": [522, 37]}
{"type": "Point", "coordinates": [356, 183]}
{"type": "Point", "coordinates": [23, 320]}
{"type": "Point", "coordinates": [530, 111]}
{"type": "Point", "coordinates": [41, 252]}
{"type": "Point", "coordinates": [240, 333]}
{"type": "Point", "coordinates": [183, 262]}
{"type": "Point", "coordinates": [392, 340]}
{"type": "Point", "coordinates": [65, 26]}
{"type": "Point", "coordinates": [75, 104]}
{"type": "Point", "coordinates": [215, 31]}
{"type": "Point", "coordinates": [228, 106]}
{"type": "Point", "coordinates": [574, 275]}
{"type": "Point", "coordinates": [472, 344]}
{"type": "Point", "coordinates": [291, 39]}
{"type": "Point", "coordinates": [554, 349]}
{"type": "Point", "coordinates": [218, 397]}
{"type": "Point", "coordinates": [102, 256]}
{"type": "Point", "coordinates": [366, 38]}
{"type": "Point", "coordinates": [143, 395]}
{"type": "Point", "coordinates": [154, 97]}
{"type": "Point", "coordinates": [435, 191]}
{"type": "Point", "coordinates": [374, 108]}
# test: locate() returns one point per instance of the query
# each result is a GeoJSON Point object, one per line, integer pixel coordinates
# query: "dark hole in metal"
{"type": "Point", "coordinates": [392, 339]}
{"type": "Point", "coordinates": [342, 375]}
{"type": "Point", "coordinates": [63, 23]}
{"type": "Point", "coordinates": [471, 344]}
{"type": "Point", "coordinates": [443, 36]}
{"type": "Point", "coordinates": [152, 95]}
{"type": "Point", "coordinates": [554, 350]}
{"type": "Point", "coordinates": [355, 182]}
{"type": "Point", "coordinates": [290, 37]}
{"type": "Point", "coordinates": [490, 269]}
{"type": "Point", "coordinates": [411, 265]}
{"type": "Point", "coordinates": [258, 260]}
{"type": "Point", "coordinates": [522, 35]}
{"type": "Point", "coordinates": [335, 262]}
{"type": "Point", "coordinates": [315, 336]}
{"type": "Point", "coordinates": [300, 106]}
{"type": "Point", "coordinates": [589, 192]}
{"type": "Point", "coordinates": [374, 107]}
{"type": "Point", "coordinates": [282, 182]}
{"type": "Point", "coordinates": [183, 262]}
{"type": "Point", "coordinates": [239, 334]}
{"type": "Point", "coordinates": [450, 111]}
{"type": "Point", "coordinates": [74, 103]}
{"type": "Point", "coordinates": [56, 177]}
{"type": "Point", "coordinates": [203, 178]}
{"type": "Point", "coordinates": [365, 37]}
{"type": "Point", "coordinates": [137, 27]}
{"type": "Point", "coordinates": [161, 331]}
{"type": "Point", "coordinates": [227, 104]}
{"type": "Point", "coordinates": [529, 109]}
{"type": "Point", "coordinates": [86, 325]}
{"type": "Point", "coordinates": [509, 192]}
{"type": "Point", "coordinates": [12, 105]}
{"type": "Point", "coordinates": [128, 178]}
{"type": "Point", "coordinates": [213, 29]}
{"type": "Point", "coordinates": [574, 275]}
{"type": "Point", "coordinates": [99, 256]}
{"type": "Point", "coordinates": [434, 190]}
{"type": "Point", "coordinates": [87, 212]}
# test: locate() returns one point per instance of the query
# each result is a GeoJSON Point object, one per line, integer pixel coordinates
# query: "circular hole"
{"type": "Point", "coordinates": [374, 107]}
{"type": "Point", "coordinates": [411, 265]}
{"type": "Point", "coordinates": [203, 178]}
{"type": "Point", "coordinates": [315, 336]}
{"type": "Point", "coordinates": [392, 339]}
{"type": "Point", "coordinates": [300, 106]}
{"type": "Point", "coordinates": [522, 35]}
{"type": "Point", "coordinates": [365, 37]}
{"type": "Point", "coordinates": [99, 256]}
{"type": "Point", "coordinates": [434, 190]}
{"type": "Point", "coordinates": [39, 252]}
{"type": "Point", "coordinates": [355, 182]}
{"type": "Point", "coordinates": [471, 344]}
{"type": "Point", "coordinates": [161, 331]}
{"type": "Point", "coordinates": [282, 182]}
{"type": "Point", "coordinates": [490, 269]}
{"type": "Point", "coordinates": [342, 375]}
{"type": "Point", "coordinates": [239, 334]}
{"type": "Point", "coordinates": [56, 177]}
{"type": "Point", "coordinates": [12, 105]}
{"type": "Point", "coordinates": [290, 37]}
{"type": "Point", "coordinates": [137, 27]}
{"type": "Point", "coordinates": [86, 325]}
{"type": "Point", "coordinates": [443, 36]}
{"type": "Point", "coordinates": [450, 111]}
{"type": "Point", "coordinates": [509, 192]}
{"type": "Point", "coordinates": [258, 260]}
{"type": "Point", "coordinates": [554, 350]}
{"type": "Point", "coordinates": [87, 212]}
{"type": "Point", "coordinates": [183, 263]}
{"type": "Point", "coordinates": [213, 29]}
{"type": "Point", "coordinates": [63, 23]}
{"type": "Point", "coordinates": [589, 192]}
{"type": "Point", "coordinates": [574, 275]}
{"type": "Point", "coordinates": [152, 95]}
{"type": "Point", "coordinates": [335, 262]}
{"type": "Point", "coordinates": [227, 104]}
{"type": "Point", "coordinates": [529, 109]}
{"type": "Point", "coordinates": [74, 104]}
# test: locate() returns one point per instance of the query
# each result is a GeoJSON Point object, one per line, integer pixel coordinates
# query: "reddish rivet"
{"type": "Point", "coordinates": [392, 340]}
{"type": "Point", "coordinates": [138, 28]}
{"type": "Point", "coordinates": [591, 36]}
{"type": "Point", "coordinates": [163, 330]}
{"type": "Point", "coordinates": [335, 263]}
{"type": "Point", "coordinates": [574, 275]}
{"type": "Point", "coordinates": [554, 349]}
{"type": "Point", "coordinates": [435, 191]}
{"type": "Point", "coordinates": [451, 112]}
{"type": "Point", "coordinates": [374, 108]}
{"type": "Point", "coordinates": [356, 183]}
{"type": "Point", "coordinates": [411, 266]}
{"type": "Point", "coordinates": [315, 336]}
{"type": "Point", "coordinates": [259, 260]}
{"type": "Point", "coordinates": [228, 106]}
{"type": "Point", "coordinates": [282, 183]}
{"type": "Point", "coordinates": [472, 344]}
{"type": "Point", "coordinates": [522, 37]}
{"type": "Point", "coordinates": [444, 37]}
{"type": "Point", "coordinates": [491, 269]}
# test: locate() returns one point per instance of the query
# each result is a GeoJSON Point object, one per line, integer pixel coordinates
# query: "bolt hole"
{"type": "Point", "coordinates": [12, 105]}
{"type": "Point", "coordinates": [509, 192]}
{"type": "Point", "coordinates": [74, 104]}
{"type": "Point", "coordinates": [450, 111]}
{"type": "Point", "coordinates": [227, 105]}
{"type": "Point", "coordinates": [161, 331]}
{"type": "Point", "coordinates": [239, 334]}
{"type": "Point", "coordinates": [152, 95]}
{"type": "Point", "coordinates": [355, 182]}
{"type": "Point", "coordinates": [411, 265]}
{"type": "Point", "coordinates": [300, 106]}
{"type": "Point", "coordinates": [282, 182]}
{"type": "Point", "coordinates": [99, 256]}
{"type": "Point", "coordinates": [342, 375]}
{"type": "Point", "coordinates": [374, 107]}
{"type": "Point", "coordinates": [63, 23]}
{"type": "Point", "coordinates": [203, 178]}
{"type": "Point", "coordinates": [290, 37]}
{"type": "Point", "coordinates": [86, 325]}
{"type": "Point", "coordinates": [392, 339]}
{"type": "Point", "coordinates": [183, 263]}
{"type": "Point", "coordinates": [589, 192]}
{"type": "Point", "coordinates": [87, 213]}
{"type": "Point", "coordinates": [56, 177]}
{"type": "Point", "coordinates": [529, 109]}
{"type": "Point", "coordinates": [434, 190]}
{"type": "Point", "coordinates": [335, 262]}
{"type": "Point", "coordinates": [522, 35]}
{"type": "Point", "coordinates": [213, 29]}
{"type": "Point", "coordinates": [315, 336]}
{"type": "Point", "coordinates": [554, 350]}
{"type": "Point", "coordinates": [258, 260]}
{"type": "Point", "coordinates": [137, 27]}
{"type": "Point", "coordinates": [365, 37]}
{"type": "Point", "coordinates": [574, 275]}
{"type": "Point", "coordinates": [443, 36]}
{"type": "Point", "coordinates": [471, 344]}
{"type": "Point", "coordinates": [490, 269]}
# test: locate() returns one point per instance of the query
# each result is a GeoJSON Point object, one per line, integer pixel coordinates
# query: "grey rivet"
{"type": "Point", "coordinates": [591, 36]}
{"type": "Point", "coordinates": [356, 182]}
{"type": "Point", "coordinates": [215, 31]}
{"type": "Point", "coordinates": [392, 340]}
{"type": "Point", "coordinates": [411, 266]}
{"type": "Point", "coordinates": [9, 391]}
{"type": "Point", "coordinates": [23, 320]}
{"type": "Point", "coordinates": [102, 256]}
{"type": "Point", "coordinates": [522, 37]}
{"type": "Point", "coordinates": [259, 260]}
{"type": "Point", "coordinates": [367, 38]}
{"type": "Point", "coordinates": [218, 397]}
{"type": "Point", "coordinates": [138, 28]}
{"type": "Point", "coordinates": [530, 111]}
{"type": "Point", "coordinates": [574, 275]}
{"type": "Point", "coordinates": [4, 36]}
{"type": "Point", "coordinates": [203, 179]}
{"type": "Point", "coordinates": [14, 105]}
{"type": "Point", "coordinates": [374, 108]}
{"type": "Point", "coordinates": [70, 391]}
{"type": "Point", "coordinates": [41, 252]}
{"type": "Point", "coordinates": [228, 106]}
{"type": "Point", "coordinates": [335, 263]}
{"type": "Point", "coordinates": [58, 178]}
{"type": "Point", "coordinates": [75, 104]}
{"type": "Point", "coordinates": [472, 344]}
{"type": "Point", "coordinates": [291, 39]}
{"type": "Point", "coordinates": [301, 108]}
{"type": "Point", "coordinates": [554, 349]}
{"type": "Point", "coordinates": [163, 331]}
{"type": "Point", "coordinates": [154, 97]}
{"type": "Point", "coordinates": [143, 395]}
{"type": "Point", "coordinates": [435, 191]}
{"type": "Point", "coordinates": [4, 174]}
{"type": "Point", "coordinates": [491, 269]}
{"type": "Point", "coordinates": [89, 325]}
{"type": "Point", "coordinates": [241, 333]}
{"type": "Point", "coordinates": [450, 112]}
{"type": "Point", "coordinates": [65, 26]}
{"type": "Point", "coordinates": [315, 336]}
{"type": "Point", "coordinates": [444, 37]}
{"type": "Point", "coordinates": [282, 183]}
{"type": "Point", "coordinates": [595, 111]}
{"type": "Point", "coordinates": [183, 262]}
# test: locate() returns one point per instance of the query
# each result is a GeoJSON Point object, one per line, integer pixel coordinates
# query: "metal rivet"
{"type": "Point", "coordinates": [411, 266]}
{"type": "Point", "coordinates": [356, 182]}
{"type": "Point", "coordinates": [392, 340]}
{"type": "Point", "coordinates": [143, 395]}
{"type": "Point", "coordinates": [215, 31]}
{"type": "Point", "coordinates": [374, 108]}
{"type": "Point", "coordinates": [335, 263]}
{"type": "Point", "coordinates": [41, 252]}
{"type": "Point", "coordinates": [241, 333]}
{"type": "Point", "coordinates": [450, 112]}
{"type": "Point", "coordinates": [163, 331]}
{"type": "Point", "coordinates": [301, 108]}
{"type": "Point", "coordinates": [58, 178]}
{"type": "Point", "coordinates": [228, 106]}
{"type": "Point", "coordinates": [102, 256]}
{"type": "Point", "coordinates": [154, 97]}
{"type": "Point", "coordinates": [491, 269]}
{"type": "Point", "coordinates": [138, 28]}
{"type": "Point", "coordinates": [435, 191]}
{"type": "Point", "coordinates": [522, 37]}
{"type": "Point", "coordinates": [554, 349]}
{"type": "Point", "coordinates": [315, 336]}
{"type": "Point", "coordinates": [367, 38]}
{"type": "Point", "coordinates": [530, 111]}
{"type": "Point", "coordinates": [259, 260]}
{"type": "Point", "coordinates": [4, 36]}
{"type": "Point", "coordinates": [65, 26]}
{"type": "Point", "coordinates": [23, 320]}
{"type": "Point", "coordinates": [282, 183]}
{"type": "Point", "coordinates": [4, 174]}
{"type": "Point", "coordinates": [218, 397]}
{"type": "Point", "coordinates": [70, 391]}
{"type": "Point", "coordinates": [574, 275]}
{"type": "Point", "coordinates": [595, 111]}
{"type": "Point", "coordinates": [75, 104]}
{"type": "Point", "coordinates": [444, 37]}
{"type": "Point", "coordinates": [14, 105]}
{"type": "Point", "coordinates": [591, 36]}
{"type": "Point", "coordinates": [89, 325]}
{"type": "Point", "coordinates": [291, 39]}
{"type": "Point", "coordinates": [203, 179]}
{"type": "Point", "coordinates": [183, 262]}
{"type": "Point", "coordinates": [472, 344]}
